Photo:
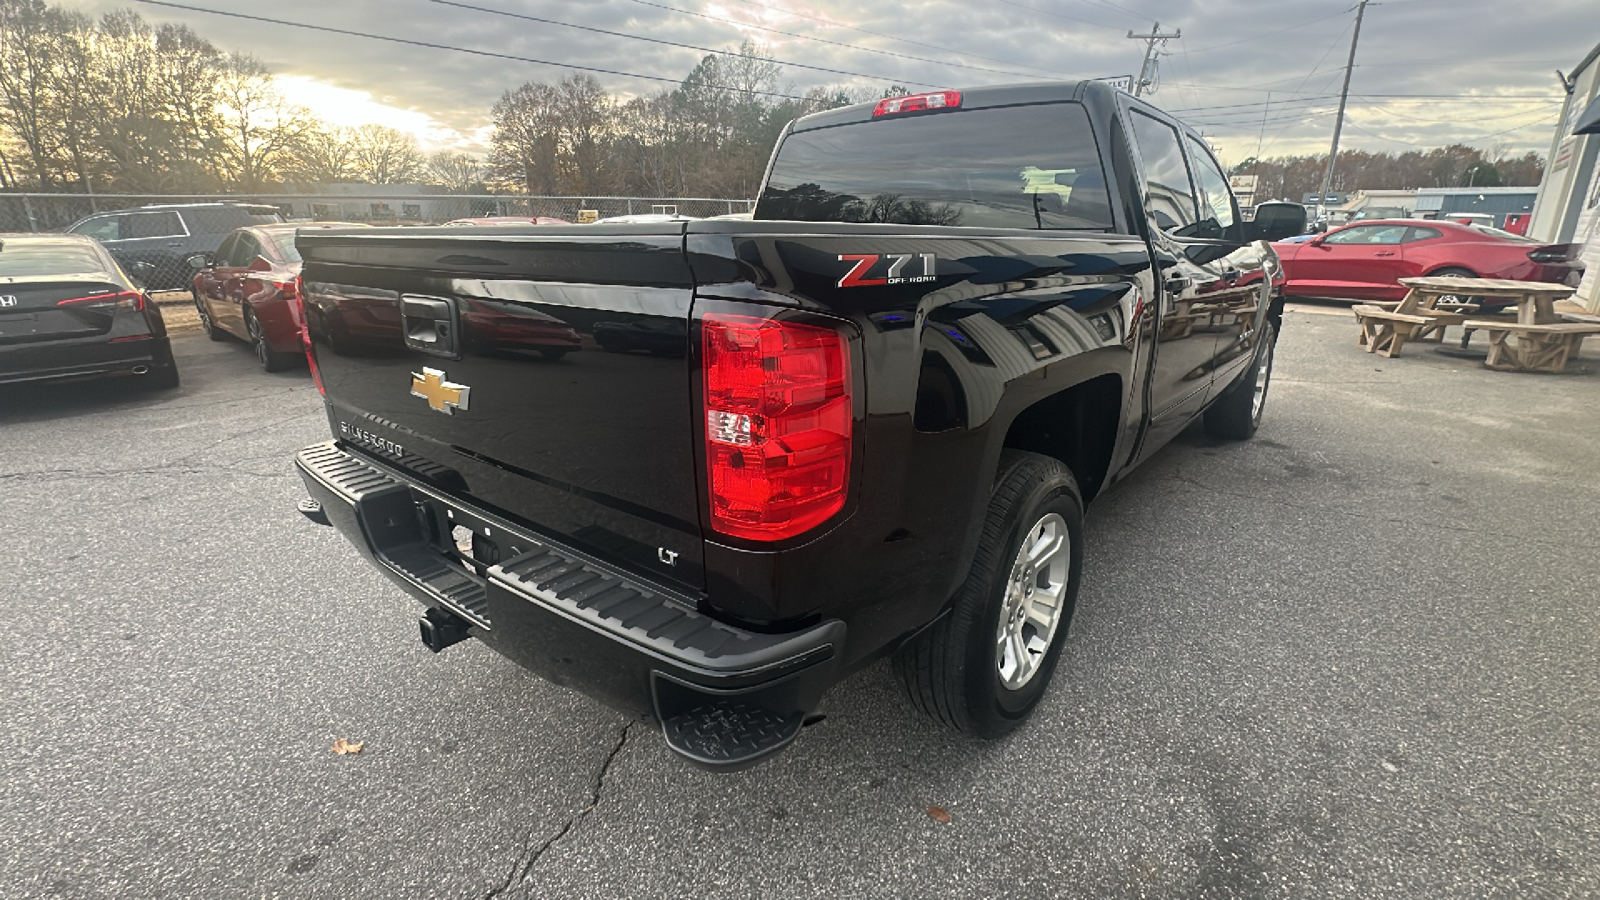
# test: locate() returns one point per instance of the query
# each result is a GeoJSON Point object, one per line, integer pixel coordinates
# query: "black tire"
{"type": "Point", "coordinates": [270, 359]}
{"type": "Point", "coordinates": [1236, 415]}
{"type": "Point", "coordinates": [206, 325]}
{"type": "Point", "coordinates": [951, 671]}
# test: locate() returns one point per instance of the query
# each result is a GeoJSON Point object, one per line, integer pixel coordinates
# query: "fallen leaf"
{"type": "Point", "coordinates": [939, 814]}
{"type": "Point", "coordinates": [344, 747]}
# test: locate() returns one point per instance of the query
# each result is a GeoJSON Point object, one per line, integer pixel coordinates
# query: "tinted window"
{"type": "Point", "coordinates": [1368, 234]}
{"type": "Point", "coordinates": [216, 219]}
{"type": "Point", "coordinates": [1423, 234]}
{"type": "Point", "coordinates": [1018, 167]}
{"type": "Point", "coordinates": [151, 225]}
{"type": "Point", "coordinates": [1216, 200]}
{"type": "Point", "coordinates": [283, 242]}
{"type": "Point", "coordinates": [20, 259]}
{"type": "Point", "coordinates": [104, 228]}
{"type": "Point", "coordinates": [245, 250]}
{"type": "Point", "coordinates": [1171, 202]}
{"type": "Point", "coordinates": [224, 251]}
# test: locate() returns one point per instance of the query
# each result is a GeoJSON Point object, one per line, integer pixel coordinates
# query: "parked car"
{"type": "Point", "coordinates": [247, 290]}
{"type": "Point", "coordinates": [510, 220]}
{"type": "Point", "coordinates": [1364, 260]}
{"type": "Point", "coordinates": [955, 318]}
{"type": "Point", "coordinates": [68, 310]}
{"type": "Point", "coordinates": [164, 235]}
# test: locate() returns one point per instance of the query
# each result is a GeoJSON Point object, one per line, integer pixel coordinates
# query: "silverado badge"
{"type": "Point", "coordinates": [441, 395]}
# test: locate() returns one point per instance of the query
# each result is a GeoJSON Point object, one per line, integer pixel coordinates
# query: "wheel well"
{"type": "Point", "coordinates": [1437, 269]}
{"type": "Point", "coordinates": [1077, 426]}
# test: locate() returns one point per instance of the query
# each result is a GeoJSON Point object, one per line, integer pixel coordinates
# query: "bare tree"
{"type": "Point", "coordinates": [457, 172]}
{"type": "Point", "coordinates": [258, 130]}
{"type": "Point", "coordinates": [526, 143]}
{"type": "Point", "coordinates": [324, 155]}
{"type": "Point", "coordinates": [383, 155]}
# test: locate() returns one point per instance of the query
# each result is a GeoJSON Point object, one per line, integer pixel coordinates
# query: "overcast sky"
{"type": "Point", "coordinates": [1253, 74]}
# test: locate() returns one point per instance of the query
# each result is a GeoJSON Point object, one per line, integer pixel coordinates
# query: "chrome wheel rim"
{"type": "Point", "coordinates": [1258, 397]}
{"type": "Point", "coordinates": [1035, 597]}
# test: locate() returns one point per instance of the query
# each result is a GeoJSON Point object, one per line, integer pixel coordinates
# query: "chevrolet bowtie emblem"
{"type": "Point", "coordinates": [441, 395]}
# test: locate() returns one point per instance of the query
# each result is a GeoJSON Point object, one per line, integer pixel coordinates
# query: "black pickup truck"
{"type": "Point", "coordinates": [703, 470]}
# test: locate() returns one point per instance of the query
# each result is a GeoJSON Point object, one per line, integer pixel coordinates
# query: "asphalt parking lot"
{"type": "Point", "coordinates": [1352, 658]}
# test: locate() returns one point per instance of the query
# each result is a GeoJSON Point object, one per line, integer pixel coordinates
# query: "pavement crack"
{"type": "Point", "coordinates": [519, 872]}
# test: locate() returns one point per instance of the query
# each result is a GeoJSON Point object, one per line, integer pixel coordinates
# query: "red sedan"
{"type": "Point", "coordinates": [1364, 261]}
{"type": "Point", "coordinates": [247, 289]}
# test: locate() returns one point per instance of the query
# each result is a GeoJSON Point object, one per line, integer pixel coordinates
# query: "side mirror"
{"type": "Point", "coordinates": [142, 272]}
{"type": "Point", "coordinates": [1319, 240]}
{"type": "Point", "coordinates": [198, 261]}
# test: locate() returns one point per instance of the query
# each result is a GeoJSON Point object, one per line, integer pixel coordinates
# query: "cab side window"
{"type": "Point", "coordinates": [1171, 195]}
{"type": "Point", "coordinates": [103, 228]}
{"type": "Point", "coordinates": [1216, 198]}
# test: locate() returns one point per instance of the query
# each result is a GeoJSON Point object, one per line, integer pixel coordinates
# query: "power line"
{"type": "Point", "coordinates": [434, 46]}
{"type": "Point", "coordinates": [806, 37]}
{"type": "Point", "coordinates": [903, 40]}
{"type": "Point", "coordinates": [638, 37]}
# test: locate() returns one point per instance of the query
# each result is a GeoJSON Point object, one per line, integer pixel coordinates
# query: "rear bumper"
{"type": "Point", "coordinates": [724, 697]}
{"type": "Point", "coordinates": [52, 361]}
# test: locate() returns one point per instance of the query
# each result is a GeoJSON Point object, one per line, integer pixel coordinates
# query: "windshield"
{"type": "Point", "coordinates": [946, 168]}
{"type": "Point", "coordinates": [53, 258]}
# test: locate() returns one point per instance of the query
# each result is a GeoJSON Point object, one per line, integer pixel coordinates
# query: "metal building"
{"type": "Point", "coordinates": [1500, 202]}
{"type": "Point", "coordinates": [1569, 176]}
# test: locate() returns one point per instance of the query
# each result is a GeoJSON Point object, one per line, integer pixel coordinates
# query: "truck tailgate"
{"type": "Point", "coordinates": [540, 371]}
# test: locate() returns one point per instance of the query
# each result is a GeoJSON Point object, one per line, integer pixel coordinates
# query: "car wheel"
{"type": "Point", "coordinates": [984, 665]}
{"type": "Point", "coordinates": [1456, 272]}
{"type": "Point", "coordinates": [270, 359]}
{"type": "Point", "coordinates": [210, 327]}
{"type": "Point", "coordinates": [1236, 415]}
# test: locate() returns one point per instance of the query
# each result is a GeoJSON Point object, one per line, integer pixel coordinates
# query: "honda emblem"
{"type": "Point", "coordinates": [7, 300]}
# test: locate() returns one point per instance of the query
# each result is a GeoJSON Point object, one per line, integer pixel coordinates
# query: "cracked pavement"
{"type": "Point", "coordinates": [1354, 657]}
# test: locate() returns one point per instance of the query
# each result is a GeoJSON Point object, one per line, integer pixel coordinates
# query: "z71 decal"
{"type": "Point", "coordinates": [864, 263]}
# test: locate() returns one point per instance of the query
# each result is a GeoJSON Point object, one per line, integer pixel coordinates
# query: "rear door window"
{"type": "Point", "coordinates": [1171, 195]}
{"type": "Point", "coordinates": [1422, 234]}
{"type": "Point", "coordinates": [152, 225]}
{"type": "Point", "coordinates": [1029, 167]}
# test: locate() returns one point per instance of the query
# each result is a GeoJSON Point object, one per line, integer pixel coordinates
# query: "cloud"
{"type": "Point", "coordinates": [1250, 73]}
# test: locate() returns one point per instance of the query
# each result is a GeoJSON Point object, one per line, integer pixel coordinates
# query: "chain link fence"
{"type": "Point", "coordinates": [136, 233]}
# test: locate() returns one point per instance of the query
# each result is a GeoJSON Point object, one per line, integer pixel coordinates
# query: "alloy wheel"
{"type": "Point", "coordinates": [1034, 600]}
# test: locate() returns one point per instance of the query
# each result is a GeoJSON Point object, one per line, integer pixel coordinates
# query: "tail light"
{"type": "Point", "coordinates": [778, 425]}
{"type": "Point", "coordinates": [893, 106]}
{"type": "Point", "coordinates": [121, 300]}
{"type": "Point", "coordinates": [296, 291]}
{"type": "Point", "coordinates": [1555, 253]}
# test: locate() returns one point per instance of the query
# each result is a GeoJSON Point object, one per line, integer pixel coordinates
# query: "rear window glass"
{"type": "Point", "coordinates": [20, 260]}
{"type": "Point", "coordinates": [284, 242]}
{"type": "Point", "coordinates": [1012, 167]}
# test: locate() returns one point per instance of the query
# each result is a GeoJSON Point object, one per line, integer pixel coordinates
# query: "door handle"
{"type": "Point", "coordinates": [1384, 253]}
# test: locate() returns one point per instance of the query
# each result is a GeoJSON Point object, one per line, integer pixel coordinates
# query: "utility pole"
{"type": "Point", "coordinates": [1146, 69]}
{"type": "Point", "coordinates": [1338, 122]}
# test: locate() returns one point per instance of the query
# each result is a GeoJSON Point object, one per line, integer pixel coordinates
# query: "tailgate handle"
{"type": "Point", "coordinates": [432, 325]}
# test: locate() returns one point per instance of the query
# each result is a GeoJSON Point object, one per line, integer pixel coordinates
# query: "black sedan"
{"type": "Point", "coordinates": [67, 310]}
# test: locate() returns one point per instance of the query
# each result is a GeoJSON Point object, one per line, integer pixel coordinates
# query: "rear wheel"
{"type": "Point", "coordinates": [983, 667]}
{"type": "Point", "coordinates": [1236, 415]}
{"type": "Point", "coordinates": [210, 327]}
{"type": "Point", "coordinates": [1456, 272]}
{"type": "Point", "coordinates": [270, 359]}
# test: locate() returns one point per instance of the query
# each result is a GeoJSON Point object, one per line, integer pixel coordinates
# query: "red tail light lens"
{"type": "Point", "coordinates": [295, 290]}
{"type": "Point", "coordinates": [1553, 254]}
{"type": "Point", "coordinates": [893, 106]}
{"type": "Point", "coordinates": [122, 300]}
{"type": "Point", "coordinates": [778, 425]}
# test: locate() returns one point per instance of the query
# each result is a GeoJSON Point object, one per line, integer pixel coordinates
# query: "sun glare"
{"type": "Point", "coordinates": [352, 108]}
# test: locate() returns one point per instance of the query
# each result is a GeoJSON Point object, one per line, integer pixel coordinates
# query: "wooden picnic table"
{"type": "Point", "coordinates": [1540, 340]}
{"type": "Point", "coordinates": [1544, 340]}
